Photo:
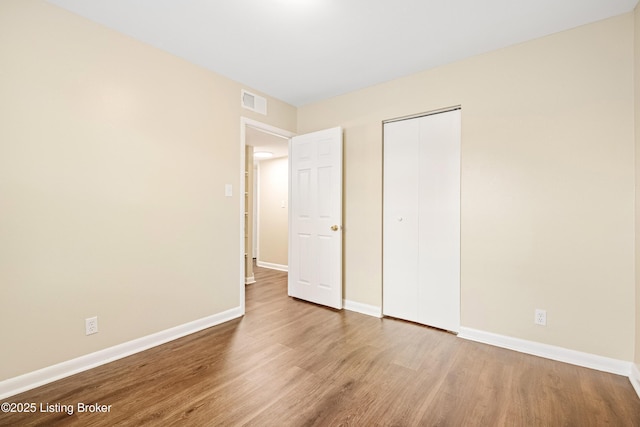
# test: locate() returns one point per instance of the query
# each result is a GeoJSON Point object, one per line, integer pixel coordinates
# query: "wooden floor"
{"type": "Point", "coordinates": [291, 363]}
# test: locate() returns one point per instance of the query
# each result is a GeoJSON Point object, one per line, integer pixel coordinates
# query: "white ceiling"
{"type": "Point", "coordinates": [302, 51]}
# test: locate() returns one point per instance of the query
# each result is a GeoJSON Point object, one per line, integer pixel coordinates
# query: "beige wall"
{"type": "Point", "coordinates": [637, 111]}
{"type": "Point", "coordinates": [113, 161]}
{"type": "Point", "coordinates": [273, 224]}
{"type": "Point", "coordinates": [547, 184]}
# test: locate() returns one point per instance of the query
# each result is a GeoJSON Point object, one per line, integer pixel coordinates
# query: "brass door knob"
{"type": "Point", "coordinates": [335, 227]}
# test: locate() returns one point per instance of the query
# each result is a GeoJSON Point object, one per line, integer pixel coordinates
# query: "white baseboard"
{"type": "Point", "coordinates": [272, 266]}
{"type": "Point", "coordinates": [34, 379]}
{"type": "Point", "coordinates": [369, 310]}
{"type": "Point", "coordinates": [634, 377]}
{"type": "Point", "coordinates": [561, 354]}
{"type": "Point", "coordinates": [249, 280]}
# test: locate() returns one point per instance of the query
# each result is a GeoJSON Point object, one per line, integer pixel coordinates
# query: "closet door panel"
{"type": "Point", "coordinates": [400, 220]}
{"type": "Point", "coordinates": [439, 221]}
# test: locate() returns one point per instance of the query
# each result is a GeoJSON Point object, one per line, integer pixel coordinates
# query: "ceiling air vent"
{"type": "Point", "coordinates": [254, 102]}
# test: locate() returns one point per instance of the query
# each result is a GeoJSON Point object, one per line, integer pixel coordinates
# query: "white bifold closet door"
{"type": "Point", "coordinates": [421, 220]}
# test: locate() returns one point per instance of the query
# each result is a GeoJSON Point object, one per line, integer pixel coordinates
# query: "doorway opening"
{"type": "Point", "coordinates": [264, 205]}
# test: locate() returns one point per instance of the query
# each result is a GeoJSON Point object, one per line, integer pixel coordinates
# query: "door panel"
{"type": "Point", "coordinates": [439, 224]}
{"type": "Point", "coordinates": [400, 220]}
{"type": "Point", "coordinates": [315, 249]}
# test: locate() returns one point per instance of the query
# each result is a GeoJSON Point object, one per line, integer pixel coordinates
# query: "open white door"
{"type": "Point", "coordinates": [315, 217]}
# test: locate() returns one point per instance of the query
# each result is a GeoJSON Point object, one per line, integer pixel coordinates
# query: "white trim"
{"type": "Point", "coordinates": [634, 377]}
{"type": "Point", "coordinates": [358, 307]}
{"type": "Point", "coordinates": [272, 266]}
{"type": "Point", "coordinates": [243, 260]}
{"type": "Point", "coordinates": [250, 280]}
{"type": "Point", "coordinates": [34, 379]}
{"type": "Point", "coordinates": [587, 360]}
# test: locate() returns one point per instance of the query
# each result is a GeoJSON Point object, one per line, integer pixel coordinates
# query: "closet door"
{"type": "Point", "coordinates": [421, 246]}
{"type": "Point", "coordinates": [400, 220]}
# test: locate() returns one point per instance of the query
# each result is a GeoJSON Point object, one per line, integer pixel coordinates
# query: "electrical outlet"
{"type": "Point", "coordinates": [91, 325]}
{"type": "Point", "coordinates": [540, 317]}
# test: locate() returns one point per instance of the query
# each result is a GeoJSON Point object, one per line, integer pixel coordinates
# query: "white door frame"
{"type": "Point", "coordinates": [244, 122]}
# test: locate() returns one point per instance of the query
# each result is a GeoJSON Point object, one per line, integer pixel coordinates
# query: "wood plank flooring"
{"type": "Point", "coordinates": [291, 363]}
